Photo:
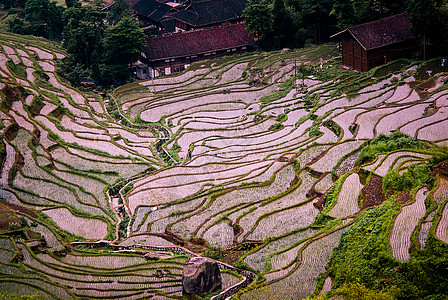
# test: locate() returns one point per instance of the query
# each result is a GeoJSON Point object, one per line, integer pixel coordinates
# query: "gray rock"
{"type": "Point", "coordinates": [153, 255]}
{"type": "Point", "coordinates": [201, 275]}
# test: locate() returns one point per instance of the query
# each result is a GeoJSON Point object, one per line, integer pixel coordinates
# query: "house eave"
{"type": "Point", "coordinates": [200, 53]}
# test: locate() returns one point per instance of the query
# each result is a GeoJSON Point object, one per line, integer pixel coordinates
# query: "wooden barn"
{"type": "Point", "coordinates": [372, 44]}
{"type": "Point", "coordinates": [174, 52]}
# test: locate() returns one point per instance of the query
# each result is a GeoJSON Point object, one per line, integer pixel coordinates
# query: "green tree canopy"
{"type": "Point", "coordinates": [344, 13]}
{"type": "Point", "coordinates": [7, 4]}
{"type": "Point", "coordinates": [99, 46]}
{"type": "Point", "coordinates": [118, 10]}
{"type": "Point", "coordinates": [124, 41]}
{"type": "Point", "coordinates": [283, 25]}
{"type": "Point", "coordinates": [41, 18]}
{"type": "Point", "coordinates": [83, 34]}
{"type": "Point", "coordinates": [258, 18]}
{"type": "Point", "coordinates": [429, 21]}
{"type": "Point", "coordinates": [317, 13]}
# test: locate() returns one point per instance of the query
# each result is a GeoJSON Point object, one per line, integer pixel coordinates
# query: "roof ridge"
{"type": "Point", "coordinates": [198, 29]}
{"type": "Point", "coordinates": [378, 21]}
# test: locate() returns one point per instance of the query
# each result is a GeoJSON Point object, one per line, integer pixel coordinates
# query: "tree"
{"type": "Point", "coordinates": [425, 20]}
{"type": "Point", "coordinates": [355, 12]}
{"type": "Point", "coordinates": [72, 3]}
{"type": "Point", "coordinates": [7, 4]}
{"type": "Point", "coordinates": [118, 10]}
{"type": "Point", "coordinates": [317, 13]}
{"type": "Point", "coordinates": [99, 49]}
{"type": "Point", "coordinates": [344, 13]}
{"type": "Point", "coordinates": [83, 34]}
{"type": "Point", "coordinates": [282, 28]}
{"type": "Point", "coordinates": [258, 18]}
{"type": "Point", "coordinates": [124, 43]}
{"type": "Point", "coordinates": [43, 18]}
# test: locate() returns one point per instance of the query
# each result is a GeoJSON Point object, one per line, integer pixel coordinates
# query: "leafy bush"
{"type": "Point", "coordinates": [363, 252]}
{"type": "Point", "coordinates": [415, 176]}
{"type": "Point", "coordinates": [356, 290]}
{"type": "Point", "coordinates": [363, 259]}
{"type": "Point", "coordinates": [440, 154]}
{"type": "Point", "coordinates": [215, 253]}
{"type": "Point", "coordinates": [276, 126]}
{"type": "Point", "coordinates": [282, 118]}
{"type": "Point", "coordinates": [314, 131]}
{"type": "Point", "coordinates": [322, 219]}
{"type": "Point", "coordinates": [387, 143]}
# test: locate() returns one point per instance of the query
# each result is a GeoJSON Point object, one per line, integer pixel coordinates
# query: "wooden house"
{"type": "Point", "coordinates": [174, 52]}
{"type": "Point", "coordinates": [206, 13]}
{"type": "Point", "coordinates": [150, 12]}
{"type": "Point", "coordinates": [372, 44]}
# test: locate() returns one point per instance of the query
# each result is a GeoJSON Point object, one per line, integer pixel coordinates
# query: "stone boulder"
{"type": "Point", "coordinates": [201, 275]}
{"type": "Point", "coordinates": [154, 255]}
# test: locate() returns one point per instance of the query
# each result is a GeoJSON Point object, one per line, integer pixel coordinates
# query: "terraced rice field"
{"type": "Point", "coordinates": [404, 225]}
{"type": "Point", "coordinates": [207, 159]}
{"type": "Point", "coordinates": [347, 203]}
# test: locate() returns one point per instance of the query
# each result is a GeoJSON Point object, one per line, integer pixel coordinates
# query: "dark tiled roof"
{"type": "Point", "coordinates": [208, 12]}
{"type": "Point", "coordinates": [168, 24]}
{"type": "Point", "coordinates": [152, 9]}
{"type": "Point", "coordinates": [197, 42]}
{"type": "Point", "coordinates": [381, 33]}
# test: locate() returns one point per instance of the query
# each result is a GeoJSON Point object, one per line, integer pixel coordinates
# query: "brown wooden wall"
{"type": "Point", "coordinates": [355, 57]}
{"type": "Point", "coordinates": [178, 64]}
{"type": "Point", "coordinates": [182, 25]}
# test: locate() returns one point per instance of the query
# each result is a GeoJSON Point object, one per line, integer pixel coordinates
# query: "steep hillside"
{"type": "Point", "coordinates": [281, 164]}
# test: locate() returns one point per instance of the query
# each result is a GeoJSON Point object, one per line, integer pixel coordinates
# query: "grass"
{"type": "Point", "coordinates": [10, 296]}
{"type": "Point", "coordinates": [333, 193]}
{"type": "Point", "coordinates": [363, 257]}
{"type": "Point", "coordinates": [285, 88]}
{"type": "Point", "coordinates": [18, 69]}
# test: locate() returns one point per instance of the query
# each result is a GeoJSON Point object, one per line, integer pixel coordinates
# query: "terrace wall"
{"type": "Point", "coordinates": [248, 276]}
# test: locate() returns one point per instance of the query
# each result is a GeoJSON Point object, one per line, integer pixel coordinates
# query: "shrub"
{"type": "Point", "coordinates": [356, 290]}
{"type": "Point", "coordinates": [322, 219]}
{"type": "Point", "coordinates": [276, 126]}
{"type": "Point", "coordinates": [362, 253]}
{"type": "Point", "coordinates": [314, 131]}
{"type": "Point", "coordinates": [387, 143]}
{"type": "Point", "coordinates": [282, 118]}
{"type": "Point", "coordinates": [415, 176]}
